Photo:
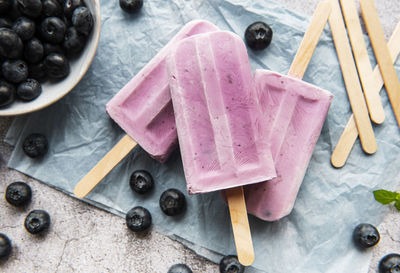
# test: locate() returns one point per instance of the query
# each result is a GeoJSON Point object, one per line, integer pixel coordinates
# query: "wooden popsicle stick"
{"type": "Point", "coordinates": [104, 166]}
{"type": "Point", "coordinates": [310, 40]}
{"type": "Point", "coordinates": [350, 76]}
{"type": "Point", "coordinates": [382, 54]}
{"type": "Point", "coordinates": [361, 57]}
{"type": "Point", "coordinates": [240, 225]}
{"type": "Point", "coordinates": [350, 133]}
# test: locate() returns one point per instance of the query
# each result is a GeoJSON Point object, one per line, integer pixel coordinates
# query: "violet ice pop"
{"type": "Point", "coordinates": [220, 129]}
{"type": "Point", "coordinates": [143, 109]}
{"type": "Point", "coordinates": [294, 112]}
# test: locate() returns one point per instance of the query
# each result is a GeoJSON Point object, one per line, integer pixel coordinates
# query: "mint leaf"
{"type": "Point", "coordinates": [397, 205]}
{"type": "Point", "coordinates": [385, 197]}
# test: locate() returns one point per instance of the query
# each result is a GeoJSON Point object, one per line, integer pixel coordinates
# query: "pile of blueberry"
{"type": "Point", "coordinates": [172, 201]}
{"type": "Point", "coordinates": [38, 38]}
{"type": "Point", "coordinates": [19, 194]}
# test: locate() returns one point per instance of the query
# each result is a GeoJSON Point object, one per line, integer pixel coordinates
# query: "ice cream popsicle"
{"type": "Point", "coordinates": [295, 112]}
{"type": "Point", "coordinates": [143, 106]}
{"type": "Point", "coordinates": [220, 130]}
{"type": "Point", "coordinates": [143, 109]}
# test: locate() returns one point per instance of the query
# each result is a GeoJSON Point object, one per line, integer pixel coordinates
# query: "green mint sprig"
{"type": "Point", "coordinates": [386, 197]}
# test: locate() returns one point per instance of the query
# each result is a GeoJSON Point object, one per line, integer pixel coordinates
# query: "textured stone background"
{"type": "Point", "coordinates": [85, 239]}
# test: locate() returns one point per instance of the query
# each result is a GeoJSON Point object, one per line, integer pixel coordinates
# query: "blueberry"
{"type": "Point", "coordinates": [390, 263]}
{"type": "Point", "coordinates": [37, 221]}
{"type": "Point", "coordinates": [33, 51]}
{"type": "Point", "coordinates": [52, 30]}
{"type": "Point", "coordinates": [70, 6]}
{"type": "Point", "coordinates": [52, 8]}
{"type": "Point", "coordinates": [258, 35]}
{"type": "Point", "coordinates": [15, 71]}
{"type": "Point", "coordinates": [57, 66]}
{"type": "Point", "coordinates": [6, 22]}
{"type": "Point", "coordinates": [37, 71]}
{"type": "Point", "coordinates": [11, 45]}
{"type": "Point", "coordinates": [5, 6]}
{"type": "Point", "coordinates": [82, 20]}
{"type": "Point", "coordinates": [131, 6]}
{"type": "Point", "coordinates": [35, 145]}
{"type": "Point", "coordinates": [141, 181]}
{"type": "Point", "coordinates": [52, 48]}
{"type": "Point", "coordinates": [179, 268]}
{"type": "Point", "coordinates": [7, 93]}
{"type": "Point", "coordinates": [138, 219]}
{"type": "Point", "coordinates": [74, 42]}
{"type": "Point", "coordinates": [365, 235]}
{"type": "Point", "coordinates": [29, 90]}
{"type": "Point", "coordinates": [24, 27]}
{"type": "Point", "coordinates": [230, 264]}
{"type": "Point", "coordinates": [172, 202]}
{"type": "Point", "coordinates": [30, 8]}
{"type": "Point", "coordinates": [18, 194]}
{"type": "Point", "coordinates": [5, 246]}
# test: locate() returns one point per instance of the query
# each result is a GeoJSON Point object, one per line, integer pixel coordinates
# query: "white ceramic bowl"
{"type": "Point", "coordinates": [52, 92]}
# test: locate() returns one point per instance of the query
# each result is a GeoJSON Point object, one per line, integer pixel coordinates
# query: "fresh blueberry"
{"type": "Point", "coordinates": [141, 181]}
{"type": "Point", "coordinates": [35, 145]}
{"type": "Point", "coordinates": [365, 235]}
{"type": "Point", "coordinates": [37, 71]}
{"type": "Point", "coordinates": [37, 221]}
{"type": "Point", "coordinates": [15, 71]}
{"type": "Point", "coordinates": [7, 93]}
{"type": "Point", "coordinates": [6, 22]}
{"type": "Point", "coordinates": [5, 6]}
{"type": "Point", "coordinates": [179, 268]}
{"type": "Point", "coordinates": [74, 42]}
{"type": "Point", "coordinates": [52, 48]}
{"type": "Point", "coordinates": [70, 6]}
{"type": "Point", "coordinates": [138, 219]}
{"type": "Point", "coordinates": [14, 12]}
{"type": "Point", "coordinates": [18, 194]}
{"type": "Point", "coordinates": [52, 30]}
{"type": "Point", "coordinates": [11, 45]}
{"type": "Point", "coordinates": [82, 20]}
{"type": "Point", "coordinates": [29, 90]}
{"type": "Point", "coordinates": [390, 263]}
{"type": "Point", "coordinates": [131, 6]}
{"type": "Point", "coordinates": [33, 51]}
{"type": "Point", "coordinates": [258, 35]}
{"type": "Point", "coordinates": [230, 264]}
{"type": "Point", "coordinates": [172, 202]}
{"type": "Point", "coordinates": [24, 27]}
{"type": "Point", "coordinates": [57, 66]}
{"type": "Point", "coordinates": [5, 246]}
{"type": "Point", "coordinates": [30, 8]}
{"type": "Point", "coordinates": [51, 8]}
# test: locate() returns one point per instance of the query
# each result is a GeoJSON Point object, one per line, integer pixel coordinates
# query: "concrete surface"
{"type": "Point", "coordinates": [85, 239]}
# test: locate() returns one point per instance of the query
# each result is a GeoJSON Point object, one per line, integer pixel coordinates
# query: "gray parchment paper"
{"type": "Point", "coordinates": [316, 237]}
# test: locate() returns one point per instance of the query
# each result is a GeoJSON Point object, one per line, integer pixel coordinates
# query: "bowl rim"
{"type": "Point", "coordinates": [84, 69]}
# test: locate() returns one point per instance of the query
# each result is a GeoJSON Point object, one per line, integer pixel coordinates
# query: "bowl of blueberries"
{"type": "Point", "coordinates": [46, 47]}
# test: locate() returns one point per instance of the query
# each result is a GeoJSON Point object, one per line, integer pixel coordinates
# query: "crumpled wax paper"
{"type": "Point", "coordinates": [316, 237]}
